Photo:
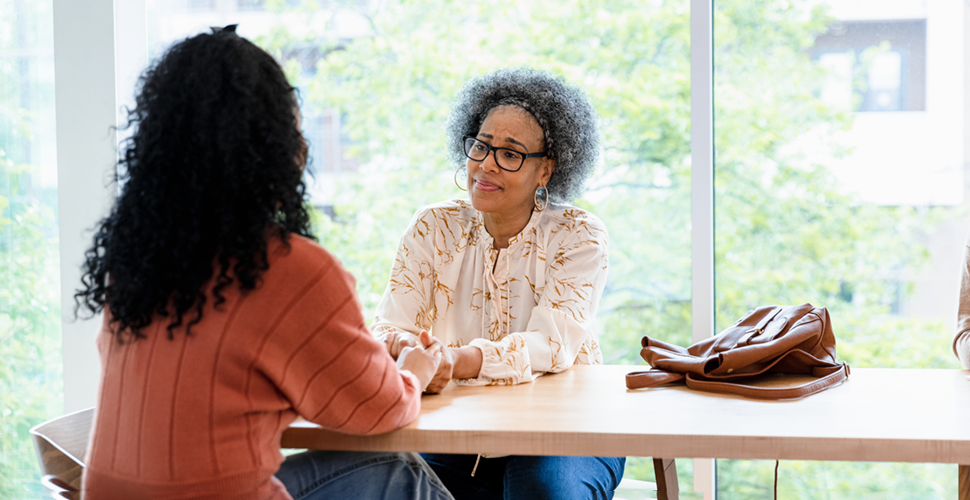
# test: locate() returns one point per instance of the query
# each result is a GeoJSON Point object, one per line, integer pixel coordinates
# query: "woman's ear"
{"type": "Point", "coordinates": [546, 168]}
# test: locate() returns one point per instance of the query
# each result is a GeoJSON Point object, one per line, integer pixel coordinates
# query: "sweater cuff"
{"type": "Point", "coordinates": [410, 378]}
{"type": "Point", "coordinates": [504, 362]}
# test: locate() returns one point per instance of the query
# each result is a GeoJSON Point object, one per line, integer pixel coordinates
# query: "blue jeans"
{"type": "Point", "coordinates": [314, 475]}
{"type": "Point", "coordinates": [534, 478]}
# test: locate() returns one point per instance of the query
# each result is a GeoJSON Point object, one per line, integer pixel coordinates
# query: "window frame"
{"type": "Point", "coordinates": [101, 46]}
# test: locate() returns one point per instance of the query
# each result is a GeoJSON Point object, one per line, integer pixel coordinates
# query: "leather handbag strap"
{"type": "Point", "coordinates": [651, 378]}
{"type": "Point", "coordinates": [839, 375]}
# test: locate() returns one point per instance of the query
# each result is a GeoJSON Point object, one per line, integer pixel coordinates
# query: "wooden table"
{"type": "Point", "coordinates": [879, 415]}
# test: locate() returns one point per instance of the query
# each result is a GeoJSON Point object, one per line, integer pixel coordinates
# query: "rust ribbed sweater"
{"type": "Point", "coordinates": [201, 416]}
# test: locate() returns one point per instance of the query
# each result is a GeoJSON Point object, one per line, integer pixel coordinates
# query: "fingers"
{"type": "Point", "coordinates": [400, 342]}
{"type": "Point", "coordinates": [389, 341]}
{"type": "Point", "coordinates": [422, 363]}
{"type": "Point", "coordinates": [405, 351]}
{"type": "Point", "coordinates": [443, 375]}
{"type": "Point", "coordinates": [425, 338]}
{"type": "Point", "coordinates": [435, 387]}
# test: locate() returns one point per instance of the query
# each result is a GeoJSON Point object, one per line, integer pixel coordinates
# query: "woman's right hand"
{"type": "Point", "coordinates": [423, 363]}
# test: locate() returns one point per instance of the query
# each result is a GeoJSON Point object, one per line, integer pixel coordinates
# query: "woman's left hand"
{"type": "Point", "coordinates": [460, 362]}
{"type": "Point", "coordinates": [445, 369]}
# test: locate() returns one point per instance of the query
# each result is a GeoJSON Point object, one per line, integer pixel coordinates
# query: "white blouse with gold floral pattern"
{"type": "Point", "coordinates": [531, 308]}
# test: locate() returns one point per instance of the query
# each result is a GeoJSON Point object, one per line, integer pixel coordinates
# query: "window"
{"type": "Point", "coordinates": [202, 5]}
{"type": "Point", "coordinates": [250, 4]}
{"type": "Point", "coordinates": [875, 65]}
{"type": "Point", "coordinates": [376, 82]}
{"type": "Point", "coordinates": [30, 347]}
{"type": "Point", "coordinates": [839, 166]}
{"type": "Point", "coordinates": [839, 178]}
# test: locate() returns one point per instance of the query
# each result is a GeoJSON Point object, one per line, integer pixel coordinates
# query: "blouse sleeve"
{"type": "Point", "coordinates": [563, 318]}
{"type": "Point", "coordinates": [407, 305]}
{"type": "Point", "coordinates": [961, 341]}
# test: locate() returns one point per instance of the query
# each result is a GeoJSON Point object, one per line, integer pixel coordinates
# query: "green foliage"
{"type": "Point", "coordinates": [744, 480]}
{"type": "Point", "coordinates": [786, 231]}
{"type": "Point", "coordinates": [30, 346]}
{"type": "Point", "coordinates": [641, 469]}
{"type": "Point", "coordinates": [30, 375]}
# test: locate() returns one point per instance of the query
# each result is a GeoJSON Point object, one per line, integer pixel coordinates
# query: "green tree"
{"type": "Point", "coordinates": [30, 371]}
{"type": "Point", "coordinates": [786, 231]}
{"type": "Point", "coordinates": [30, 375]}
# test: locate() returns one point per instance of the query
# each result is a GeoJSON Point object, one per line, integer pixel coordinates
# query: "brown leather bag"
{"type": "Point", "coordinates": [781, 339]}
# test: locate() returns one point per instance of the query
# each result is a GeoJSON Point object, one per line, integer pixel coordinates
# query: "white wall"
{"type": "Point", "coordinates": [87, 109]}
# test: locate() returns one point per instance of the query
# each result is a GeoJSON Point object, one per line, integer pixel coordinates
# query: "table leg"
{"type": "Point", "coordinates": [964, 482]}
{"type": "Point", "coordinates": [666, 472]}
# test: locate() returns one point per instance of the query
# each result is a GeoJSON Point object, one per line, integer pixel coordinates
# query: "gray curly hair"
{"type": "Point", "coordinates": [565, 114]}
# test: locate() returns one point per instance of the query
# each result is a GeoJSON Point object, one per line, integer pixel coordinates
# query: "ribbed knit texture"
{"type": "Point", "coordinates": [201, 416]}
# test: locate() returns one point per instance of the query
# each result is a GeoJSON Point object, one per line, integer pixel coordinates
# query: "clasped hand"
{"type": "Point", "coordinates": [401, 347]}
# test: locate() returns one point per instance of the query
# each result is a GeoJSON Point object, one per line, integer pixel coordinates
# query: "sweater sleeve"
{"type": "Point", "coordinates": [961, 341]}
{"type": "Point", "coordinates": [337, 375]}
{"type": "Point", "coordinates": [407, 306]}
{"type": "Point", "coordinates": [561, 321]}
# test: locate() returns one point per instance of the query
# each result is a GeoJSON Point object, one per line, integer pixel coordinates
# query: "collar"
{"type": "Point", "coordinates": [486, 237]}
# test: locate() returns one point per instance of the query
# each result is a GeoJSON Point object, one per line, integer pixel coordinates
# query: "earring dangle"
{"type": "Point", "coordinates": [465, 176]}
{"type": "Point", "coordinates": [543, 202]}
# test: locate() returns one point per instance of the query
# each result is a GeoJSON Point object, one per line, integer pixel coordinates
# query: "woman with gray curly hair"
{"type": "Point", "coordinates": [510, 281]}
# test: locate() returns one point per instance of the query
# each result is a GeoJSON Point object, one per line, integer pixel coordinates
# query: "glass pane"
{"type": "Point", "coordinates": [30, 334]}
{"type": "Point", "coordinates": [376, 82]}
{"type": "Point", "coordinates": [839, 181]}
{"type": "Point", "coordinates": [377, 79]}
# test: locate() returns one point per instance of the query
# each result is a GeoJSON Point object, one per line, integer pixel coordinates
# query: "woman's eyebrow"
{"type": "Point", "coordinates": [517, 142]}
{"type": "Point", "coordinates": [509, 139]}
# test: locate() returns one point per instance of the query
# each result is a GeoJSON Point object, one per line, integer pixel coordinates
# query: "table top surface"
{"type": "Point", "coordinates": [877, 415]}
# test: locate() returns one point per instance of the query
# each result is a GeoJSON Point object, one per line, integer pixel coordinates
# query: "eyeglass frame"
{"type": "Point", "coordinates": [525, 156]}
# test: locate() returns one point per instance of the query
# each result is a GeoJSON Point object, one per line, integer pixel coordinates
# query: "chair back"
{"type": "Point", "coordinates": [61, 444]}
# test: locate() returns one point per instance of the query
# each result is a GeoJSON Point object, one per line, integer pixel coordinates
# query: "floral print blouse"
{"type": "Point", "coordinates": [530, 308]}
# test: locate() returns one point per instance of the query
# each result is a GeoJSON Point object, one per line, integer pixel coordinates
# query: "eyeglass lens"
{"type": "Point", "coordinates": [508, 159]}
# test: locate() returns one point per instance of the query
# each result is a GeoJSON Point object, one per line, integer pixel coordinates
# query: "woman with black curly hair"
{"type": "Point", "coordinates": [511, 280]}
{"type": "Point", "coordinates": [223, 319]}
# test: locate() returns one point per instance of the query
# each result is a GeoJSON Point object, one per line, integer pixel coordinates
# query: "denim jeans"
{"type": "Point", "coordinates": [314, 475]}
{"type": "Point", "coordinates": [534, 478]}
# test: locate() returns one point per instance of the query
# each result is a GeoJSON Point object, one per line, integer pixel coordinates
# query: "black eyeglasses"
{"type": "Point", "coordinates": [507, 159]}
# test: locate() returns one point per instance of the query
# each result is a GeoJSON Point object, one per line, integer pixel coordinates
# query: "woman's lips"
{"type": "Point", "coordinates": [485, 186]}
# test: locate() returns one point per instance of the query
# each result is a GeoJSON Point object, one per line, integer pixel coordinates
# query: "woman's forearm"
{"type": "Point", "coordinates": [468, 362]}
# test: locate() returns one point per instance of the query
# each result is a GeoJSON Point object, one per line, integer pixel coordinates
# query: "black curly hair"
{"type": "Point", "coordinates": [213, 168]}
{"type": "Point", "coordinates": [567, 119]}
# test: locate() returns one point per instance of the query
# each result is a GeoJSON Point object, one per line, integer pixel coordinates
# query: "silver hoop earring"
{"type": "Point", "coordinates": [542, 200]}
{"type": "Point", "coordinates": [465, 176]}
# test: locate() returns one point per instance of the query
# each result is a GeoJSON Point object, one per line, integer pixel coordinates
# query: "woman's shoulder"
{"type": "Point", "coordinates": [448, 211]}
{"type": "Point", "coordinates": [568, 220]}
{"type": "Point", "coordinates": [452, 208]}
{"type": "Point", "coordinates": [299, 252]}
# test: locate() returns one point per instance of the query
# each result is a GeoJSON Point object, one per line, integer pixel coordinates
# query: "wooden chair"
{"type": "Point", "coordinates": [61, 444]}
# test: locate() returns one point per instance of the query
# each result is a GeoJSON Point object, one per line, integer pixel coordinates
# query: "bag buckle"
{"type": "Point", "coordinates": [754, 332]}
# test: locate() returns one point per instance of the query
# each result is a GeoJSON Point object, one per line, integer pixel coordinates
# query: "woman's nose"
{"type": "Point", "coordinates": [490, 163]}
